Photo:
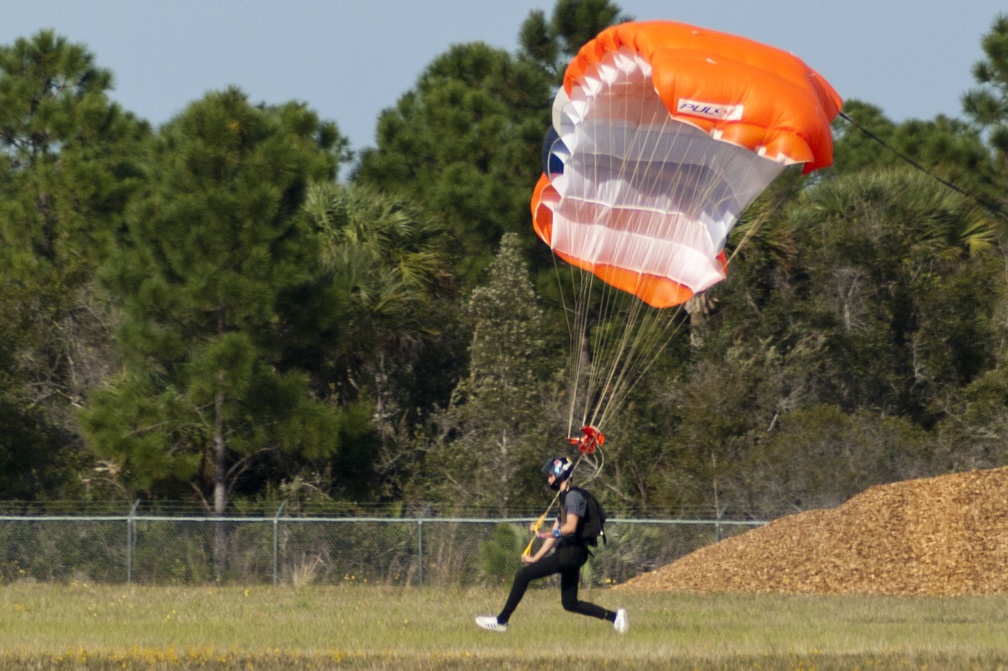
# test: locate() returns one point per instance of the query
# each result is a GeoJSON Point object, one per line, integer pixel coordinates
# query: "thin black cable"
{"type": "Point", "coordinates": [993, 208]}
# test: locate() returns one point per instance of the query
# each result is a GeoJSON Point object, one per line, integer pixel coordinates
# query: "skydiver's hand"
{"type": "Point", "coordinates": [527, 559]}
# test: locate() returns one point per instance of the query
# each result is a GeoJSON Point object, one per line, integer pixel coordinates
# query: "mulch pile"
{"type": "Point", "coordinates": [937, 536]}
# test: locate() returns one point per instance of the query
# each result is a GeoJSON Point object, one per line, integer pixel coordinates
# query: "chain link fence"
{"type": "Point", "coordinates": [280, 549]}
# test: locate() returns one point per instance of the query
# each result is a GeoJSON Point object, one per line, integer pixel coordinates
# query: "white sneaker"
{"type": "Point", "coordinates": [490, 623]}
{"type": "Point", "coordinates": [622, 623]}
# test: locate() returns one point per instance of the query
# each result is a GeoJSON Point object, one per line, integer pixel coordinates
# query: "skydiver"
{"type": "Point", "coordinates": [571, 553]}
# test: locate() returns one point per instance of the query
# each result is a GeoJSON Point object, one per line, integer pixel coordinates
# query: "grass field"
{"type": "Point", "coordinates": [81, 626]}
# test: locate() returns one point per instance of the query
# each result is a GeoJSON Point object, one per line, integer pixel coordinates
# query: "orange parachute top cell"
{"type": "Point", "coordinates": [662, 134]}
{"type": "Point", "coordinates": [786, 106]}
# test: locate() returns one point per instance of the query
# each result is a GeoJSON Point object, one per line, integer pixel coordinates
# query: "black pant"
{"type": "Point", "coordinates": [567, 561]}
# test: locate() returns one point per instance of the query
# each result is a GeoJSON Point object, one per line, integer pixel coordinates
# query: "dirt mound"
{"type": "Point", "coordinates": [937, 536]}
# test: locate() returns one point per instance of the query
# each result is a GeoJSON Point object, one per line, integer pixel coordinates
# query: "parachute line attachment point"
{"type": "Point", "coordinates": [590, 439]}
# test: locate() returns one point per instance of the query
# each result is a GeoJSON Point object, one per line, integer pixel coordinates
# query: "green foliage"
{"type": "Point", "coordinates": [35, 458]}
{"type": "Point", "coordinates": [634, 547]}
{"type": "Point", "coordinates": [971, 436]}
{"type": "Point", "coordinates": [466, 143]}
{"type": "Point", "coordinates": [987, 104]}
{"type": "Point", "coordinates": [149, 434]}
{"type": "Point", "coordinates": [819, 457]}
{"type": "Point", "coordinates": [896, 260]}
{"type": "Point", "coordinates": [885, 304]}
{"type": "Point", "coordinates": [498, 554]}
{"type": "Point", "coordinates": [387, 326]}
{"type": "Point", "coordinates": [950, 150]}
{"type": "Point", "coordinates": [383, 263]}
{"type": "Point", "coordinates": [537, 43]}
{"type": "Point", "coordinates": [492, 430]}
{"type": "Point", "coordinates": [213, 244]}
{"type": "Point", "coordinates": [66, 170]}
{"type": "Point", "coordinates": [871, 298]}
{"type": "Point", "coordinates": [467, 140]}
{"type": "Point", "coordinates": [507, 348]}
{"type": "Point", "coordinates": [854, 149]}
{"type": "Point", "coordinates": [259, 331]}
{"type": "Point", "coordinates": [68, 164]}
{"type": "Point", "coordinates": [575, 22]}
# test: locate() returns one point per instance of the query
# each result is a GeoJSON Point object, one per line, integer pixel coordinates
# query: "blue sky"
{"type": "Point", "coordinates": [349, 59]}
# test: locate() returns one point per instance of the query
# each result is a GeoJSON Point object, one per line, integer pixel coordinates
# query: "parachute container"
{"type": "Point", "coordinates": [662, 134]}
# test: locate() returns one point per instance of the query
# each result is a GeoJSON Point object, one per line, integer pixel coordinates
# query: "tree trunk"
{"type": "Point", "coordinates": [698, 308]}
{"type": "Point", "coordinates": [220, 486]}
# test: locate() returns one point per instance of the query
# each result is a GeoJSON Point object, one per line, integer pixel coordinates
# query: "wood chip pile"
{"type": "Point", "coordinates": [938, 536]}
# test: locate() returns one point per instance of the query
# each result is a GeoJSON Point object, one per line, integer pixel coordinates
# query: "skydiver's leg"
{"type": "Point", "coordinates": [569, 579]}
{"type": "Point", "coordinates": [543, 568]}
{"type": "Point", "coordinates": [573, 558]}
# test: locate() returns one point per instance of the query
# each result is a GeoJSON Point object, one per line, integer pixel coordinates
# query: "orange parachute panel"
{"type": "Point", "coordinates": [693, 67]}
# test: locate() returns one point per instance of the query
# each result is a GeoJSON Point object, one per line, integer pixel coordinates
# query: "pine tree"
{"type": "Point", "coordinates": [493, 431]}
{"type": "Point", "coordinates": [213, 248]}
{"type": "Point", "coordinates": [68, 164]}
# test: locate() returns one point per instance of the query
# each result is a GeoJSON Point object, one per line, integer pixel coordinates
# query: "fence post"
{"type": "Point", "coordinates": [276, 543]}
{"type": "Point", "coordinates": [130, 524]}
{"type": "Point", "coordinates": [420, 548]}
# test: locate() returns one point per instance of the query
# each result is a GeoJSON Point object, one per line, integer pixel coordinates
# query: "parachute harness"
{"type": "Point", "coordinates": [588, 445]}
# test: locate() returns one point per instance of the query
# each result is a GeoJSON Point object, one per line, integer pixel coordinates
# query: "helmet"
{"type": "Point", "coordinates": [560, 468]}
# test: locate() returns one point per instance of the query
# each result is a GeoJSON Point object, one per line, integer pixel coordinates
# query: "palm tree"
{"type": "Point", "coordinates": [900, 266]}
{"type": "Point", "coordinates": [386, 261]}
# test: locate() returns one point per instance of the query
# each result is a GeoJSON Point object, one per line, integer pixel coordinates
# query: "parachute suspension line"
{"type": "Point", "coordinates": [581, 366]}
{"type": "Point", "coordinates": [645, 339]}
{"type": "Point", "coordinates": [596, 460]}
{"type": "Point", "coordinates": [623, 356]}
{"type": "Point", "coordinates": [586, 352]}
{"type": "Point", "coordinates": [640, 323]}
{"type": "Point", "coordinates": [606, 343]}
{"type": "Point", "coordinates": [572, 319]}
{"type": "Point", "coordinates": [992, 207]}
{"type": "Point", "coordinates": [581, 353]}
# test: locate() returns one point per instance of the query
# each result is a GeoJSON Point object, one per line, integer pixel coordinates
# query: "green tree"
{"type": "Point", "coordinates": [37, 459]}
{"type": "Point", "coordinates": [948, 149]}
{"type": "Point", "coordinates": [855, 147]}
{"type": "Point", "coordinates": [213, 247]}
{"type": "Point", "coordinates": [886, 302]}
{"type": "Point", "coordinates": [390, 337]}
{"type": "Point", "coordinates": [819, 456]}
{"type": "Point", "coordinates": [490, 441]}
{"type": "Point", "coordinates": [465, 142]}
{"type": "Point", "coordinates": [987, 104]}
{"type": "Point", "coordinates": [874, 298]}
{"type": "Point", "coordinates": [972, 435]}
{"type": "Point", "coordinates": [551, 43]}
{"type": "Point", "coordinates": [68, 165]}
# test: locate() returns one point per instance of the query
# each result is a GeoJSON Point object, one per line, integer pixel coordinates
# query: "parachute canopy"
{"type": "Point", "coordinates": [662, 134]}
